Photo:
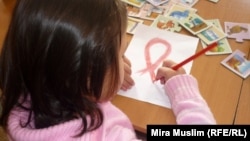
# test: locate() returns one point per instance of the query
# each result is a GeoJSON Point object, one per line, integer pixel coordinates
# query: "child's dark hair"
{"type": "Point", "coordinates": [57, 54]}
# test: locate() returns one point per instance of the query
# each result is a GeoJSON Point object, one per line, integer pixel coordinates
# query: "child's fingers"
{"type": "Point", "coordinates": [126, 61]}
{"type": "Point", "coordinates": [127, 69]}
{"type": "Point", "coordinates": [168, 63]}
{"type": "Point", "coordinates": [127, 84]}
{"type": "Point", "coordinates": [164, 73]}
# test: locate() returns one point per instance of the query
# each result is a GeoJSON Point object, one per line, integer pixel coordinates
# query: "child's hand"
{"type": "Point", "coordinates": [166, 72]}
{"type": "Point", "coordinates": [128, 82]}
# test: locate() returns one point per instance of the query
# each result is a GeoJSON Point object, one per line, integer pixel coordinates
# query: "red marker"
{"type": "Point", "coordinates": [209, 47]}
{"type": "Point", "coordinates": [176, 67]}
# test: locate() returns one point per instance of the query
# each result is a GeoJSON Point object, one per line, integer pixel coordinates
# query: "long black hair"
{"type": "Point", "coordinates": [57, 53]}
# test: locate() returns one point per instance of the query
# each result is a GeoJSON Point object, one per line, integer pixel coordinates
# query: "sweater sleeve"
{"type": "Point", "coordinates": [187, 103]}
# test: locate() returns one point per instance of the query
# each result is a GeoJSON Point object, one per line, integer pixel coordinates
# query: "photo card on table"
{"type": "Point", "coordinates": [166, 23]}
{"type": "Point", "coordinates": [211, 35]}
{"type": "Point", "coordinates": [223, 46]}
{"type": "Point", "coordinates": [239, 31]}
{"type": "Point", "coordinates": [194, 24]}
{"type": "Point", "coordinates": [179, 12]}
{"type": "Point", "coordinates": [146, 12]}
{"type": "Point", "coordinates": [237, 63]}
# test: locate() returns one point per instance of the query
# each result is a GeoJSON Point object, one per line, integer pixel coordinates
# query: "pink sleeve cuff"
{"type": "Point", "coordinates": [182, 87]}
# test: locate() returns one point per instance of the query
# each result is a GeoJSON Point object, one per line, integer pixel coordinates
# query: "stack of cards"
{"type": "Point", "coordinates": [170, 20]}
{"type": "Point", "coordinates": [223, 45]}
{"type": "Point", "coordinates": [188, 18]}
{"type": "Point", "coordinates": [211, 35]}
{"type": "Point", "coordinates": [156, 11]}
{"type": "Point", "coordinates": [172, 15]}
{"type": "Point", "coordinates": [205, 30]}
{"type": "Point", "coordinates": [194, 23]}
{"type": "Point", "coordinates": [237, 63]}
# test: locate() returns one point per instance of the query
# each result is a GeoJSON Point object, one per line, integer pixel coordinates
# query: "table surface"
{"type": "Point", "coordinates": [227, 94]}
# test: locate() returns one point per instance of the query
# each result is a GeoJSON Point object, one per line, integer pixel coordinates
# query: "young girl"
{"type": "Point", "coordinates": [61, 64]}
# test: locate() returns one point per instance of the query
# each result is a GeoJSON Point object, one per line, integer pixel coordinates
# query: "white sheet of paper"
{"type": "Point", "coordinates": [177, 47]}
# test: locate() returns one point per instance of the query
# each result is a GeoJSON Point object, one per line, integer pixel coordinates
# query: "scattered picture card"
{"type": "Point", "coordinates": [237, 63]}
{"type": "Point", "coordinates": [179, 12]}
{"type": "Point", "coordinates": [150, 12]}
{"type": "Point", "coordinates": [166, 23]}
{"type": "Point", "coordinates": [211, 35]}
{"type": "Point", "coordinates": [132, 24]}
{"type": "Point", "coordinates": [167, 6]}
{"type": "Point", "coordinates": [136, 3]}
{"type": "Point", "coordinates": [157, 2]}
{"type": "Point", "coordinates": [239, 31]}
{"type": "Point", "coordinates": [195, 24]}
{"type": "Point", "coordinates": [223, 46]}
{"type": "Point", "coordinates": [215, 22]}
{"type": "Point", "coordinates": [147, 11]}
{"type": "Point", "coordinates": [133, 11]}
{"type": "Point", "coordinates": [157, 9]}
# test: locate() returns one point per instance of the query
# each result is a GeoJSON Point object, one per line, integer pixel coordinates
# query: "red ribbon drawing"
{"type": "Point", "coordinates": [151, 67]}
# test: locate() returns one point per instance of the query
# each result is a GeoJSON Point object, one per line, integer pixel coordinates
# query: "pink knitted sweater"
{"type": "Point", "coordinates": [187, 104]}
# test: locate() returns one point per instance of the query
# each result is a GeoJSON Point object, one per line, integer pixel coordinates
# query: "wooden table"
{"type": "Point", "coordinates": [227, 94]}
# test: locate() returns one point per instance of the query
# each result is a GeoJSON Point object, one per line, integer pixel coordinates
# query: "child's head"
{"type": "Point", "coordinates": [65, 56]}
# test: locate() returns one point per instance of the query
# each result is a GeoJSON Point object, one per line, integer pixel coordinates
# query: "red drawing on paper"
{"type": "Point", "coordinates": [151, 67]}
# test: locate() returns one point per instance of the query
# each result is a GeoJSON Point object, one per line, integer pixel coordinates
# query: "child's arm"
{"type": "Point", "coordinates": [187, 103]}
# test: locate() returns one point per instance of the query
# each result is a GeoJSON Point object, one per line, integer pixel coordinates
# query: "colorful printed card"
{"type": "Point", "coordinates": [239, 31]}
{"type": "Point", "coordinates": [237, 63]}
{"type": "Point", "coordinates": [132, 24]}
{"type": "Point", "coordinates": [147, 11]}
{"type": "Point", "coordinates": [171, 3]}
{"type": "Point", "coordinates": [194, 23]}
{"type": "Point", "coordinates": [150, 12]}
{"type": "Point", "coordinates": [223, 46]}
{"type": "Point", "coordinates": [211, 35]}
{"type": "Point", "coordinates": [179, 12]}
{"type": "Point", "coordinates": [166, 23]}
{"type": "Point", "coordinates": [158, 9]}
{"type": "Point", "coordinates": [136, 3]}
{"type": "Point", "coordinates": [133, 11]}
